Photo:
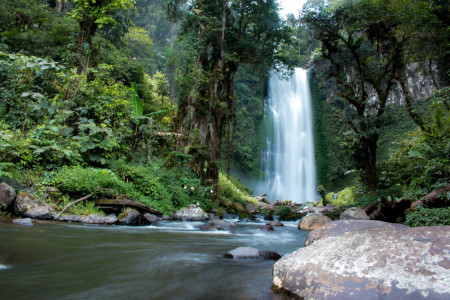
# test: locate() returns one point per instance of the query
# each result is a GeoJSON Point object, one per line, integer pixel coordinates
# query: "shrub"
{"type": "Point", "coordinates": [78, 180]}
{"type": "Point", "coordinates": [422, 216]}
{"type": "Point", "coordinates": [346, 197]}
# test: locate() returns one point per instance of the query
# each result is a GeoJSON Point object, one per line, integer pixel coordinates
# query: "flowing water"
{"type": "Point", "coordinates": [288, 157]}
{"type": "Point", "coordinates": [174, 260]}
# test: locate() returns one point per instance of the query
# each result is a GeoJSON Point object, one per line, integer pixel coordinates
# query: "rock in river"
{"type": "Point", "coordinates": [7, 195]}
{"type": "Point", "coordinates": [130, 217]}
{"type": "Point", "coordinates": [251, 253]}
{"type": "Point", "coordinates": [377, 263]}
{"type": "Point", "coordinates": [217, 225]}
{"type": "Point", "coordinates": [190, 213]}
{"type": "Point", "coordinates": [313, 221]}
{"type": "Point", "coordinates": [265, 228]}
{"type": "Point", "coordinates": [99, 219]}
{"type": "Point", "coordinates": [24, 222]}
{"type": "Point", "coordinates": [275, 223]}
{"type": "Point", "coordinates": [151, 218]}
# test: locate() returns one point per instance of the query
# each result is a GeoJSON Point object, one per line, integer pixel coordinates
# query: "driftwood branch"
{"type": "Point", "coordinates": [82, 199]}
{"type": "Point", "coordinates": [75, 202]}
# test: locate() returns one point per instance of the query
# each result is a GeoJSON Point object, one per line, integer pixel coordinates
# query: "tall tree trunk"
{"type": "Point", "coordinates": [88, 28]}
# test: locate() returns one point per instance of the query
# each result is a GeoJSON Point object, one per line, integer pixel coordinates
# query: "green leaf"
{"type": "Point", "coordinates": [137, 104]}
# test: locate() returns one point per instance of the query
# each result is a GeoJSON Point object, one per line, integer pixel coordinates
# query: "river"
{"type": "Point", "coordinates": [174, 260]}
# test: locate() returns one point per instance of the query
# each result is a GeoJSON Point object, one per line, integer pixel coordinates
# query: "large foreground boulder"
{"type": "Point", "coordinates": [190, 213]}
{"type": "Point", "coordinates": [313, 221]}
{"type": "Point", "coordinates": [7, 195]}
{"type": "Point", "coordinates": [29, 206]}
{"type": "Point", "coordinates": [251, 253]}
{"type": "Point", "coordinates": [338, 228]}
{"type": "Point", "coordinates": [377, 263]}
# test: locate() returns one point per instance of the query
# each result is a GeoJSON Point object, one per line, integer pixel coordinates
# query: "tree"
{"type": "Point", "coordinates": [363, 54]}
{"type": "Point", "coordinates": [219, 35]}
{"type": "Point", "coordinates": [91, 15]}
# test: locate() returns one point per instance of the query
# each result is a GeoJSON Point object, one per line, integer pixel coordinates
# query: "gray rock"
{"type": "Point", "coordinates": [217, 225]}
{"type": "Point", "coordinates": [251, 253]}
{"type": "Point", "coordinates": [29, 206]}
{"type": "Point", "coordinates": [377, 263]}
{"type": "Point", "coordinates": [354, 213]}
{"type": "Point", "coordinates": [275, 223]}
{"type": "Point", "coordinates": [338, 228]}
{"type": "Point", "coordinates": [151, 219]}
{"type": "Point", "coordinates": [319, 209]}
{"type": "Point", "coordinates": [190, 213]}
{"type": "Point", "coordinates": [71, 218]}
{"type": "Point", "coordinates": [98, 219]}
{"type": "Point", "coordinates": [24, 222]}
{"type": "Point", "coordinates": [313, 221]}
{"type": "Point", "coordinates": [265, 228]}
{"type": "Point", "coordinates": [7, 195]}
{"type": "Point", "coordinates": [130, 217]}
{"type": "Point", "coordinates": [251, 208]}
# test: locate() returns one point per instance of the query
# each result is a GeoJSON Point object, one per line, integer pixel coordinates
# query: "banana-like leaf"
{"type": "Point", "coordinates": [137, 104]}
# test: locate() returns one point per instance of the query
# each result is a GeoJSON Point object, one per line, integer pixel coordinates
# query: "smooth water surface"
{"type": "Point", "coordinates": [288, 157]}
{"type": "Point", "coordinates": [171, 261]}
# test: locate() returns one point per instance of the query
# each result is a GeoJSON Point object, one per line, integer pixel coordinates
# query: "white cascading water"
{"type": "Point", "coordinates": [288, 159]}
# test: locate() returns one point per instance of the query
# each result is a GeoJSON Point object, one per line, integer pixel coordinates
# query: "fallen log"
{"type": "Point", "coordinates": [433, 199]}
{"type": "Point", "coordinates": [117, 204]}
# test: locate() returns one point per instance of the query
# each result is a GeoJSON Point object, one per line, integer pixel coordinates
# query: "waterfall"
{"type": "Point", "coordinates": [288, 156]}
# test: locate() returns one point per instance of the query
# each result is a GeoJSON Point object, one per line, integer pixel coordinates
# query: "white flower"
{"type": "Point", "coordinates": [185, 187]}
{"type": "Point", "coordinates": [212, 191]}
{"type": "Point", "coordinates": [192, 188]}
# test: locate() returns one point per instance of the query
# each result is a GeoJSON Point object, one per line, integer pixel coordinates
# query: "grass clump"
{"type": "Point", "coordinates": [346, 197]}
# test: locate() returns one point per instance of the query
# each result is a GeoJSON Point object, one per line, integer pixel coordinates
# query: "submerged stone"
{"type": "Point", "coordinates": [251, 253]}
{"type": "Point", "coordinates": [24, 222]}
{"type": "Point", "coordinates": [217, 225]}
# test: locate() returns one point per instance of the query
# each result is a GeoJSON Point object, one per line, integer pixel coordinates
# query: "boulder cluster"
{"type": "Point", "coordinates": [28, 208]}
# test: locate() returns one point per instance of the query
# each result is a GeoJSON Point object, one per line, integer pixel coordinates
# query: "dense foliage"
{"type": "Point", "coordinates": [155, 99]}
{"type": "Point", "coordinates": [87, 101]}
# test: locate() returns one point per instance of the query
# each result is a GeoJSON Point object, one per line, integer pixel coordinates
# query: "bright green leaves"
{"type": "Point", "coordinates": [99, 11]}
{"type": "Point", "coordinates": [137, 104]}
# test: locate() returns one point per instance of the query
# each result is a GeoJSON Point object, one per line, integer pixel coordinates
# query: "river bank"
{"type": "Point", "coordinates": [174, 260]}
